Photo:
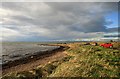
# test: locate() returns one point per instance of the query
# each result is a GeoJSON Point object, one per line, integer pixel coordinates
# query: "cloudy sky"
{"type": "Point", "coordinates": [48, 21]}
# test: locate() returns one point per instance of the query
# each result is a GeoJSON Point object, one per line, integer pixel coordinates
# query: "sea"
{"type": "Point", "coordinates": [11, 51]}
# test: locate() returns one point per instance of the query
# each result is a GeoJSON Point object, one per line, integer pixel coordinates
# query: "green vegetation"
{"type": "Point", "coordinates": [82, 61]}
{"type": "Point", "coordinates": [90, 61]}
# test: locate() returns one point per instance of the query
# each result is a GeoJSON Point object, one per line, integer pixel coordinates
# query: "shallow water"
{"type": "Point", "coordinates": [15, 51]}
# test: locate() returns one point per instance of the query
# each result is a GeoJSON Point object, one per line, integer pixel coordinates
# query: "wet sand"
{"type": "Point", "coordinates": [36, 62]}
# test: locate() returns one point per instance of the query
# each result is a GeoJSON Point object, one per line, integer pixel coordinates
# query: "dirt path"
{"type": "Point", "coordinates": [31, 65]}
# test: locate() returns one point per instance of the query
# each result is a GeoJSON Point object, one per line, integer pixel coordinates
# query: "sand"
{"type": "Point", "coordinates": [33, 64]}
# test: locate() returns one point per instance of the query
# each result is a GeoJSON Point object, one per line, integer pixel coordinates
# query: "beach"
{"type": "Point", "coordinates": [22, 56]}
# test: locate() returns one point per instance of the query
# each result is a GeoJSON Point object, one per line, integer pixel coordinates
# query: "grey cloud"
{"type": "Point", "coordinates": [92, 25]}
{"type": "Point", "coordinates": [60, 20]}
{"type": "Point", "coordinates": [116, 29]}
{"type": "Point", "coordinates": [85, 7]}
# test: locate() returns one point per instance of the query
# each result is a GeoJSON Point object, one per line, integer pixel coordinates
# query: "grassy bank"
{"type": "Point", "coordinates": [81, 61]}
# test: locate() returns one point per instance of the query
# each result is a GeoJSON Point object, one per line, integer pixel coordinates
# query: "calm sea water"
{"type": "Point", "coordinates": [15, 51]}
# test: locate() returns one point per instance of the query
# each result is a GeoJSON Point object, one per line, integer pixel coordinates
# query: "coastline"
{"type": "Point", "coordinates": [64, 63]}
{"type": "Point", "coordinates": [11, 66]}
{"type": "Point", "coordinates": [30, 58]}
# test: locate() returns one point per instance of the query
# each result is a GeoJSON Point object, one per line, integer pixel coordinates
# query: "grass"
{"type": "Point", "coordinates": [90, 61]}
{"type": "Point", "coordinates": [82, 61]}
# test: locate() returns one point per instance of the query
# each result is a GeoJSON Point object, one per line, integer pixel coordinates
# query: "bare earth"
{"type": "Point", "coordinates": [33, 64]}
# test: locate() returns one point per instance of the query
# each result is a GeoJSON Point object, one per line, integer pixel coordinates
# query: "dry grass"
{"type": "Point", "coordinates": [82, 61]}
{"type": "Point", "coordinates": [90, 61]}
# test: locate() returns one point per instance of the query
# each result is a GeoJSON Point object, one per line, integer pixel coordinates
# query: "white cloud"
{"type": "Point", "coordinates": [55, 21]}
{"type": "Point", "coordinates": [9, 34]}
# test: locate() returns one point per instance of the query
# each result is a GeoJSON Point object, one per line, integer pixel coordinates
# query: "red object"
{"type": "Point", "coordinates": [107, 45]}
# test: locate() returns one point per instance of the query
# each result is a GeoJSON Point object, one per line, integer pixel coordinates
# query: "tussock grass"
{"type": "Point", "coordinates": [82, 61]}
{"type": "Point", "coordinates": [90, 61]}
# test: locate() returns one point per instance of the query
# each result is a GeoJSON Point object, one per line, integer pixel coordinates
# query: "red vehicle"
{"type": "Point", "coordinates": [107, 45]}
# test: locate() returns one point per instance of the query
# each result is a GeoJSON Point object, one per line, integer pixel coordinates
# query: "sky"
{"type": "Point", "coordinates": [56, 21]}
{"type": "Point", "coordinates": [114, 18]}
